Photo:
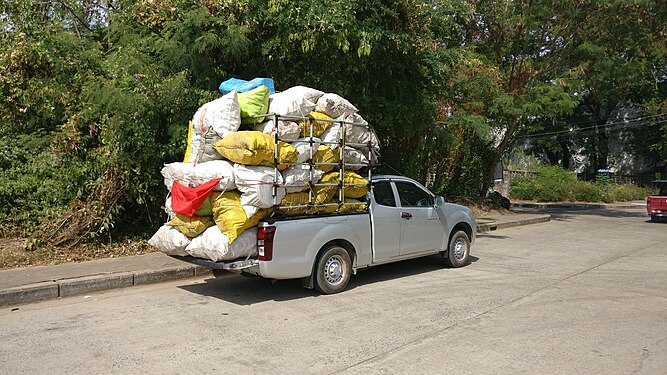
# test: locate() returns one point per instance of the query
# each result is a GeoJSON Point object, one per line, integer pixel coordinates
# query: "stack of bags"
{"type": "Point", "coordinates": [228, 181]}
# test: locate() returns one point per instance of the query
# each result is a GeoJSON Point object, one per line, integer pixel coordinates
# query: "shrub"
{"type": "Point", "coordinates": [554, 184]}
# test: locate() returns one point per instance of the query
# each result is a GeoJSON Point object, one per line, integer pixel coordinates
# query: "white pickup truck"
{"type": "Point", "coordinates": [404, 220]}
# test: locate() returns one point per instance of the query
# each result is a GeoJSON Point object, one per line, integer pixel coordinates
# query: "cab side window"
{"type": "Point", "coordinates": [412, 195]}
{"type": "Point", "coordinates": [383, 194]}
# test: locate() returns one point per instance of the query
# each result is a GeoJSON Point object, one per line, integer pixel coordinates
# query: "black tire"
{"type": "Point", "coordinates": [333, 270]}
{"type": "Point", "coordinates": [458, 253]}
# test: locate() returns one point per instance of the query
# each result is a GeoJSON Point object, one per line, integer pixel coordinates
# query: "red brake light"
{"type": "Point", "coordinates": [265, 242]}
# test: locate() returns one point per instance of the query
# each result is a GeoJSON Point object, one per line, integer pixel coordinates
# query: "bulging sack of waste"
{"type": "Point", "coordinates": [315, 124]}
{"type": "Point", "coordinates": [287, 130]}
{"type": "Point", "coordinates": [232, 218]}
{"type": "Point", "coordinates": [212, 122]}
{"type": "Point", "coordinates": [254, 103]}
{"type": "Point", "coordinates": [191, 175]}
{"type": "Point", "coordinates": [354, 159]}
{"type": "Point", "coordinates": [334, 106]}
{"type": "Point", "coordinates": [215, 245]}
{"type": "Point", "coordinates": [357, 133]}
{"type": "Point", "coordinates": [257, 185]}
{"type": "Point", "coordinates": [255, 148]}
{"type": "Point", "coordinates": [298, 177]}
{"type": "Point", "coordinates": [306, 148]}
{"type": "Point", "coordinates": [296, 101]}
{"type": "Point", "coordinates": [326, 158]}
{"type": "Point", "coordinates": [191, 226]}
{"type": "Point", "coordinates": [170, 241]}
{"type": "Point", "coordinates": [297, 199]}
{"type": "Point", "coordinates": [221, 116]}
{"type": "Point", "coordinates": [354, 185]}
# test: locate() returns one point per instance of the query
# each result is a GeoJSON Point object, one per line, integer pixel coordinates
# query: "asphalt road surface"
{"type": "Point", "coordinates": [583, 294]}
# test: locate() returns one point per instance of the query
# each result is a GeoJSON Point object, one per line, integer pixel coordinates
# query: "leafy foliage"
{"type": "Point", "coordinates": [554, 184]}
{"type": "Point", "coordinates": [96, 94]}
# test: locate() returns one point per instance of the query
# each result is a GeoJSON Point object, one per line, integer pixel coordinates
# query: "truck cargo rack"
{"type": "Point", "coordinates": [342, 166]}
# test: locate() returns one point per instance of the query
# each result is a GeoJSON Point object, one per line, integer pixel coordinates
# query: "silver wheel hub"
{"type": "Point", "coordinates": [333, 270]}
{"type": "Point", "coordinates": [459, 249]}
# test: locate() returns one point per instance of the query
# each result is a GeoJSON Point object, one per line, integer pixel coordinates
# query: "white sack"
{"type": "Point", "coordinates": [334, 106]}
{"type": "Point", "coordinates": [359, 134]}
{"type": "Point", "coordinates": [295, 101]}
{"type": "Point", "coordinates": [303, 148]}
{"type": "Point", "coordinates": [256, 183]}
{"type": "Point", "coordinates": [214, 245]}
{"type": "Point", "coordinates": [212, 122]}
{"type": "Point", "coordinates": [191, 175]}
{"type": "Point", "coordinates": [170, 241]}
{"type": "Point", "coordinates": [167, 208]}
{"type": "Point", "coordinates": [354, 156]}
{"type": "Point", "coordinates": [222, 116]}
{"type": "Point", "coordinates": [296, 177]}
{"type": "Point", "coordinates": [201, 147]}
{"type": "Point", "coordinates": [287, 130]}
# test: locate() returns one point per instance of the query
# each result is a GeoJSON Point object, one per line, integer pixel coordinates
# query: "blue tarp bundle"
{"type": "Point", "coordinates": [241, 85]}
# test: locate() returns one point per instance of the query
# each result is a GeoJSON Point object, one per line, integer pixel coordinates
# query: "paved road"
{"type": "Point", "coordinates": [585, 293]}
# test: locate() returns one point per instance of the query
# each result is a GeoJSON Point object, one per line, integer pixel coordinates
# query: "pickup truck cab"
{"type": "Point", "coordinates": [402, 220]}
{"type": "Point", "coordinates": [656, 205]}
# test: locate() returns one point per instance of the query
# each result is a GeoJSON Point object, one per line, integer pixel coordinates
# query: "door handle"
{"type": "Point", "coordinates": [406, 215]}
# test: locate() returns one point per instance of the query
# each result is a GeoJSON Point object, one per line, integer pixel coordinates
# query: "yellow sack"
{"type": "Point", "coordinates": [191, 226]}
{"type": "Point", "coordinates": [345, 207]}
{"type": "Point", "coordinates": [231, 218]}
{"type": "Point", "coordinates": [318, 126]}
{"type": "Point", "coordinates": [188, 149]}
{"type": "Point", "coordinates": [355, 186]}
{"type": "Point", "coordinates": [255, 148]}
{"type": "Point", "coordinates": [296, 199]}
{"type": "Point", "coordinates": [326, 193]}
{"type": "Point", "coordinates": [325, 154]}
{"type": "Point", "coordinates": [350, 179]}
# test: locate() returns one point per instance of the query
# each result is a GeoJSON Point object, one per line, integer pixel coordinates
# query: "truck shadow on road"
{"type": "Point", "coordinates": [242, 290]}
{"type": "Point", "coordinates": [570, 213]}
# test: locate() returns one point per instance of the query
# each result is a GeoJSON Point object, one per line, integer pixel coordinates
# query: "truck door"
{"type": "Point", "coordinates": [421, 227]}
{"type": "Point", "coordinates": [386, 221]}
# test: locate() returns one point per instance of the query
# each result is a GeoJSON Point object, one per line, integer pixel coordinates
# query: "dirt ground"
{"type": "Point", "coordinates": [15, 252]}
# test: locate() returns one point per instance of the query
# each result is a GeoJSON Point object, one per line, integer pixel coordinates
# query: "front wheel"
{"type": "Point", "coordinates": [459, 250]}
{"type": "Point", "coordinates": [333, 270]}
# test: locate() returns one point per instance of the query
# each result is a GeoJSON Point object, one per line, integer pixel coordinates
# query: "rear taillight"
{"type": "Point", "coordinates": [265, 242]}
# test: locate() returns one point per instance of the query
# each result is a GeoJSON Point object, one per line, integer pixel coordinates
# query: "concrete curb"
{"type": "Point", "coordinates": [88, 284]}
{"type": "Point", "coordinates": [575, 205]}
{"type": "Point", "coordinates": [483, 228]}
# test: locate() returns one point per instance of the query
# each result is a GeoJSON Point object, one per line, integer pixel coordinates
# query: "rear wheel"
{"type": "Point", "coordinates": [459, 250]}
{"type": "Point", "coordinates": [333, 270]}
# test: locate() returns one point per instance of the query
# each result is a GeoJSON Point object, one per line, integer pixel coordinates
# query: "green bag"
{"type": "Point", "coordinates": [254, 103]}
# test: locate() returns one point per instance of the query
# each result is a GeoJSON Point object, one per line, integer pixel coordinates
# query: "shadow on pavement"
{"type": "Point", "coordinates": [243, 290]}
{"type": "Point", "coordinates": [566, 214]}
{"type": "Point", "coordinates": [491, 235]}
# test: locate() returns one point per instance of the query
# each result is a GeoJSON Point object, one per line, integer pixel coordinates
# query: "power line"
{"type": "Point", "coordinates": [610, 126]}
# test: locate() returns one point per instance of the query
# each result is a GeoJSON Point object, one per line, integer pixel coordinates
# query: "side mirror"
{"type": "Point", "coordinates": [439, 201]}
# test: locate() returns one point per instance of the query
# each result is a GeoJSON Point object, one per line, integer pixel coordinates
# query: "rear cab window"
{"type": "Point", "coordinates": [384, 194]}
